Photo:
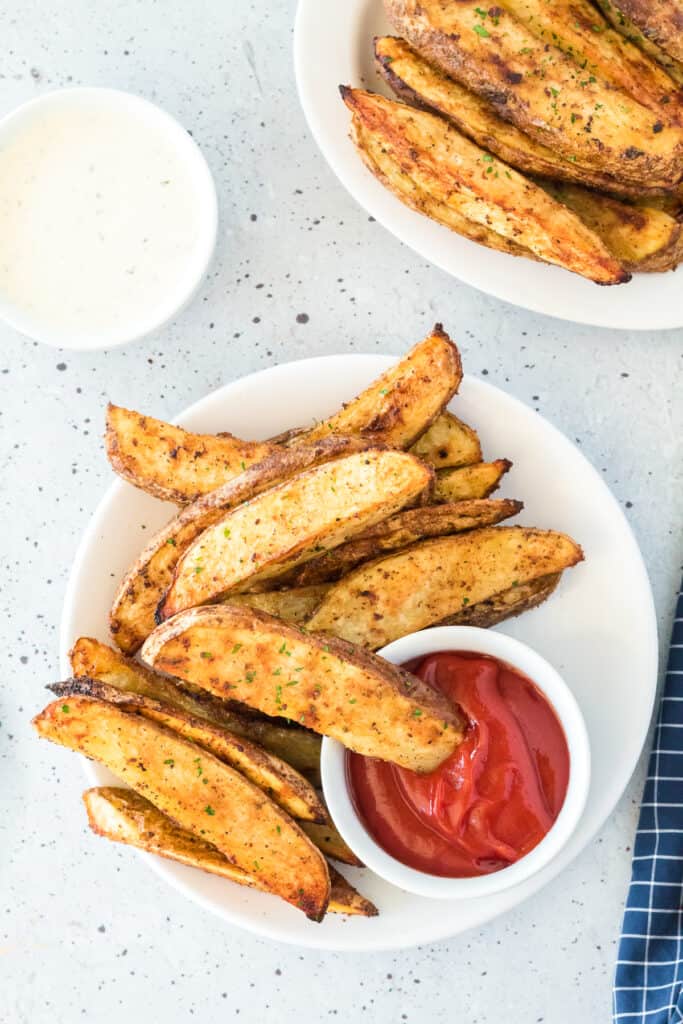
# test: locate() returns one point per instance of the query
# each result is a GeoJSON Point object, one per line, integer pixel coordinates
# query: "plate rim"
{"type": "Point", "coordinates": [673, 321]}
{"type": "Point", "coordinates": [318, 940]}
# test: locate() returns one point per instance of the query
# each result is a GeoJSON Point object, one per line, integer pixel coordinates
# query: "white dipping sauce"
{"type": "Point", "coordinates": [105, 218]}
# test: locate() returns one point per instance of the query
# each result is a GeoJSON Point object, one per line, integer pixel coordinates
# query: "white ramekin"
{"type": "Point", "coordinates": [204, 189]}
{"type": "Point", "coordinates": [550, 683]}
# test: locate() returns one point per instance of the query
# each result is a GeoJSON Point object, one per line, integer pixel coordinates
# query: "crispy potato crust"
{"type": "Point", "coordinates": [131, 618]}
{"type": "Point", "coordinates": [401, 404]}
{"type": "Point", "coordinates": [330, 686]}
{"type": "Point", "coordinates": [435, 579]}
{"type": "Point", "coordinates": [328, 839]}
{"type": "Point", "coordinates": [396, 532]}
{"type": "Point", "coordinates": [299, 747]}
{"type": "Point", "coordinates": [124, 816]}
{"type": "Point", "coordinates": [274, 776]}
{"type": "Point", "coordinates": [470, 482]}
{"type": "Point", "coordinates": [626, 27]}
{"type": "Point", "coordinates": [506, 605]}
{"type": "Point", "coordinates": [170, 463]}
{"type": "Point", "coordinates": [463, 177]}
{"type": "Point", "coordinates": [659, 20]}
{"type": "Point", "coordinates": [589, 118]}
{"type": "Point", "coordinates": [199, 792]}
{"type": "Point", "coordinates": [289, 523]}
{"type": "Point", "coordinates": [416, 81]}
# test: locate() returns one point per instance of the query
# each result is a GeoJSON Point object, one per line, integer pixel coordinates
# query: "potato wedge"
{"type": "Point", "coordinates": [505, 605]}
{"type": "Point", "coordinates": [396, 532]}
{"type": "Point", "coordinates": [291, 522]}
{"type": "Point", "coordinates": [416, 81]}
{"type": "Point", "coordinates": [400, 405]}
{"type": "Point", "coordinates": [660, 21]}
{"type": "Point", "coordinates": [453, 170]}
{"type": "Point", "coordinates": [448, 442]}
{"type": "Point", "coordinates": [567, 108]}
{"type": "Point", "coordinates": [170, 463]}
{"type": "Point", "coordinates": [131, 618]}
{"type": "Point", "coordinates": [433, 580]}
{"type": "Point", "coordinates": [297, 746]}
{"type": "Point", "coordinates": [364, 702]}
{"type": "Point", "coordinates": [623, 24]}
{"type": "Point", "coordinates": [327, 838]}
{"type": "Point", "coordinates": [293, 604]}
{"type": "Point", "coordinates": [199, 792]}
{"type": "Point", "coordinates": [642, 238]}
{"type": "Point", "coordinates": [274, 776]}
{"type": "Point", "coordinates": [470, 482]}
{"type": "Point", "coordinates": [124, 816]}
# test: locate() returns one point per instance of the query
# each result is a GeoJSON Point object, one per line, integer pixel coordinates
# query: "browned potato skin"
{"type": "Point", "coordinates": [414, 80]}
{"type": "Point", "coordinates": [327, 838]}
{"type": "Point", "coordinates": [199, 792]}
{"type": "Point", "coordinates": [398, 532]}
{"type": "Point", "coordinates": [289, 523]}
{"type": "Point", "coordinates": [505, 605]}
{"type": "Point", "coordinates": [170, 463]}
{"type": "Point", "coordinates": [292, 604]}
{"type": "Point", "coordinates": [503, 67]}
{"type": "Point", "coordinates": [659, 20]}
{"type": "Point", "coordinates": [274, 776]}
{"type": "Point", "coordinates": [453, 170]}
{"type": "Point", "coordinates": [299, 747]}
{"type": "Point", "coordinates": [470, 482]}
{"type": "Point", "coordinates": [342, 691]}
{"type": "Point", "coordinates": [435, 579]}
{"type": "Point", "coordinates": [404, 401]}
{"type": "Point", "coordinates": [643, 238]}
{"type": "Point", "coordinates": [624, 25]}
{"type": "Point", "coordinates": [448, 442]}
{"type": "Point", "coordinates": [123, 816]}
{"type": "Point", "coordinates": [131, 618]}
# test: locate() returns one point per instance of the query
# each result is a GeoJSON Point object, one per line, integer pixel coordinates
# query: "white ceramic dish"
{"type": "Point", "coordinates": [127, 303]}
{"type": "Point", "coordinates": [332, 47]}
{"type": "Point", "coordinates": [598, 629]}
{"type": "Point", "coordinates": [521, 657]}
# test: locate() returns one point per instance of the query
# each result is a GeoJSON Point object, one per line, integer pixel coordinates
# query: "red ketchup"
{"type": "Point", "coordinates": [494, 798]}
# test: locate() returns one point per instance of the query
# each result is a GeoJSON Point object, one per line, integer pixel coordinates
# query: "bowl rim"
{"type": "Point", "coordinates": [548, 680]}
{"type": "Point", "coordinates": [202, 181]}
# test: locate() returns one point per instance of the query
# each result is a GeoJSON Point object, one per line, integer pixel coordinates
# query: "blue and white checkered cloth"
{"type": "Point", "coordinates": [649, 976]}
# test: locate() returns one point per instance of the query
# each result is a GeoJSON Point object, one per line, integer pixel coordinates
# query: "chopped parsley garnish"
{"type": "Point", "coordinates": [236, 648]}
{"type": "Point", "coordinates": [481, 31]}
{"type": "Point", "coordinates": [417, 712]}
{"type": "Point", "coordinates": [226, 531]}
{"type": "Point", "coordinates": [250, 677]}
{"type": "Point", "coordinates": [65, 709]}
{"type": "Point", "coordinates": [171, 541]}
{"type": "Point", "coordinates": [207, 654]}
{"type": "Point", "coordinates": [209, 810]}
{"type": "Point", "coordinates": [170, 762]}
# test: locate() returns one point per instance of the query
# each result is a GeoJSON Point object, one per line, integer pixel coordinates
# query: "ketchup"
{"type": "Point", "coordinates": [494, 798]}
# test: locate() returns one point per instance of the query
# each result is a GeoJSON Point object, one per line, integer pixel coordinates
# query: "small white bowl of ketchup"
{"type": "Point", "coordinates": [503, 805]}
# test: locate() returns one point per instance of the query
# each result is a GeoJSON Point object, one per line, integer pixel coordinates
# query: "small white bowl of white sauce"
{"type": "Point", "coordinates": [108, 218]}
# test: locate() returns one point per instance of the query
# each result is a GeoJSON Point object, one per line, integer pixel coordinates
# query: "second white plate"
{"type": "Point", "coordinates": [598, 629]}
{"type": "Point", "coordinates": [332, 47]}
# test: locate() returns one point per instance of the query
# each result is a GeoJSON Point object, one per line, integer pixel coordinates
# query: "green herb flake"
{"type": "Point", "coordinates": [481, 31]}
{"type": "Point", "coordinates": [226, 531]}
{"type": "Point", "coordinates": [465, 600]}
{"type": "Point", "coordinates": [235, 648]}
{"type": "Point", "coordinates": [250, 677]}
{"type": "Point", "coordinates": [352, 700]}
{"type": "Point", "coordinates": [209, 810]}
{"type": "Point", "coordinates": [171, 541]}
{"type": "Point", "coordinates": [170, 762]}
{"type": "Point", "coordinates": [65, 709]}
{"type": "Point", "coordinates": [417, 712]}
{"type": "Point", "coordinates": [207, 654]}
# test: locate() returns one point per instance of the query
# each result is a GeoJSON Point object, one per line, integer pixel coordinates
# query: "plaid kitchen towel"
{"type": "Point", "coordinates": [649, 975]}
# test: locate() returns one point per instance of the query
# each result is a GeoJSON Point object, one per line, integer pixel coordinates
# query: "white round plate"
{"type": "Point", "coordinates": [598, 629]}
{"type": "Point", "coordinates": [333, 47]}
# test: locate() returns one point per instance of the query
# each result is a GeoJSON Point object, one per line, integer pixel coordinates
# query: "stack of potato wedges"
{"type": "Point", "coordinates": [551, 129]}
{"type": "Point", "coordinates": [256, 612]}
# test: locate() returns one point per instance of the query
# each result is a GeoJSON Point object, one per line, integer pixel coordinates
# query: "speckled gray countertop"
{"type": "Point", "coordinates": [88, 932]}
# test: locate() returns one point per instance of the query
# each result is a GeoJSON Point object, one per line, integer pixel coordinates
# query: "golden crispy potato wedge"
{"type": "Point", "coordinates": [401, 404]}
{"type": "Point", "coordinates": [508, 604]}
{"type": "Point", "coordinates": [396, 532]}
{"type": "Point", "coordinates": [470, 482]}
{"type": "Point", "coordinates": [453, 170]}
{"type": "Point", "coordinates": [131, 618]}
{"type": "Point", "coordinates": [624, 25]}
{"type": "Point", "coordinates": [567, 108]}
{"type": "Point", "coordinates": [170, 463]}
{"type": "Point", "coordinates": [199, 792]}
{"type": "Point", "coordinates": [327, 838]}
{"type": "Point", "coordinates": [660, 21]}
{"type": "Point", "coordinates": [433, 580]}
{"type": "Point", "coordinates": [294, 604]}
{"type": "Point", "coordinates": [291, 522]}
{"type": "Point", "coordinates": [124, 816]}
{"type": "Point", "coordinates": [271, 774]}
{"type": "Point", "coordinates": [297, 746]}
{"type": "Point", "coordinates": [364, 702]}
{"type": "Point", "coordinates": [416, 81]}
{"type": "Point", "coordinates": [641, 237]}
{"type": "Point", "coordinates": [448, 442]}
